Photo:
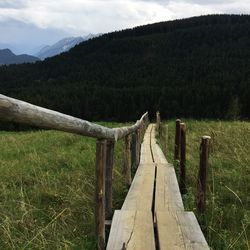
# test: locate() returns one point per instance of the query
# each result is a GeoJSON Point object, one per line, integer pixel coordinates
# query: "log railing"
{"type": "Point", "coordinates": [14, 110]}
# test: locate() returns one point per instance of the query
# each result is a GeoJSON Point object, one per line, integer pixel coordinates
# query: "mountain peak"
{"type": "Point", "coordinates": [8, 57]}
{"type": "Point", "coordinates": [6, 52]}
{"type": "Point", "coordinates": [61, 46]}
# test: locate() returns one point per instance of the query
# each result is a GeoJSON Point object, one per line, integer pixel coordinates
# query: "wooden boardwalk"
{"type": "Point", "coordinates": [153, 216]}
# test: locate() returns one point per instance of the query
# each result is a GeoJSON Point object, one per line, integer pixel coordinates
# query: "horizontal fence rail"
{"type": "Point", "coordinates": [14, 110]}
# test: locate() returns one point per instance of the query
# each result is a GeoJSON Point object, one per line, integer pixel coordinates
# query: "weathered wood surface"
{"type": "Point", "coordinates": [203, 172]}
{"type": "Point", "coordinates": [154, 198]}
{"type": "Point", "coordinates": [132, 230]}
{"type": "Point", "coordinates": [167, 192]}
{"type": "Point", "coordinates": [140, 195]}
{"type": "Point", "coordinates": [109, 178]}
{"type": "Point", "coordinates": [179, 230]}
{"type": "Point", "coordinates": [146, 155]}
{"type": "Point", "coordinates": [191, 231]}
{"type": "Point", "coordinates": [158, 156]}
{"type": "Point", "coordinates": [128, 160]}
{"type": "Point", "coordinates": [183, 187]}
{"type": "Point", "coordinates": [101, 153]}
{"type": "Point", "coordinates": [22, 112]}
{"type": "Point", "coordinates": [177, 139]}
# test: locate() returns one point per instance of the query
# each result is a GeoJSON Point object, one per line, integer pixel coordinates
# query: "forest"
{"type": "Point", "coordinates": [194, 68]}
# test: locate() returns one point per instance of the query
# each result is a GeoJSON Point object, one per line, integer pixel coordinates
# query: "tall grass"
{"type": "Point", "coordinates": [227, 218]}
{"type": "Point", "coordinates": [47, 183]}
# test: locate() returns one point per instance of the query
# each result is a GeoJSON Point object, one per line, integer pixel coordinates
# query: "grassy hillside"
{"type": "Point", "coordinates": [46, 190]}
{"type": "Point", "coordinates": [227, 220]}
{"type": "Point", "coordinates": [195, 67]}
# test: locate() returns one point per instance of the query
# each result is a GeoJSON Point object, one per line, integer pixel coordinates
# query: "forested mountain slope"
{"type": "Point", "coordinates": [197, 67]}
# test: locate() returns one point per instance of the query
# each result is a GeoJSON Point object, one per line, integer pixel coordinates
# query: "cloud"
{"type": "Point", "coordinates": [78, 17]}
{"type": "Point", "coordinates": [12, 4]}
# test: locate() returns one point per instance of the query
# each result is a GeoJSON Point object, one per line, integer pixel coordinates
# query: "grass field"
{"type": "Point", "coordinates": [227, 220]}
{"type": "Point", "coordinates": [47, 188]}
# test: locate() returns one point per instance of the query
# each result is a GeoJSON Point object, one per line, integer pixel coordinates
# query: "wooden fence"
{"type": "Point", "coordinates": [180, 158]}
{"type": "Point", "coordinates": [14, 110]}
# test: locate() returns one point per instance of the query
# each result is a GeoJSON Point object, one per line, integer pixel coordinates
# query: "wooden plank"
{"type": "Point", "coordinates": [131, 230]}
{"type": "Point", "coordinates": [169, 231]}
{"type": "Point", "coordinates": [22, 112]}
{"type": "Point", "coordinates": [191, 231]}
{"type": "Point", "coordinates": [140, 195]}
{"type": "Point", "coordinates": [179, 230]}
{"type": "Point", "coordinates": [158, 155]}
{"type": "Point", "coordinates": [167, 193]}
{"type": "Point", "coordinates": [146, 156]}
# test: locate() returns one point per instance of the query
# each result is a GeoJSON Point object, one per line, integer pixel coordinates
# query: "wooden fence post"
{"type": "Point", "coordinates": [166, 139]}
{"type": "Point", "coordinates": [147, 120]}
{"type": "Point", "coordinates": [158, 122]}
{"type": "Point", "coordinates": [138, 147]}
{"type": "Point", "coordinates": [101, 150]}
{"type": "Point", "coordinates": [177, 139]}
{"type": "Point", "coordinates": [133, 150]}
{"type": "Point", "coordinates": [203, 172]}
{"type": "Point", "coordinates": [183, 188]}
{"type": "Point", "coordinates": [109, 179]}
{"type": "Point", "coordinates": [128, 162]}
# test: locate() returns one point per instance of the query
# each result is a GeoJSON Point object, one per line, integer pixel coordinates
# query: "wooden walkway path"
{"type": "Point", "coordinates": [153, 216]}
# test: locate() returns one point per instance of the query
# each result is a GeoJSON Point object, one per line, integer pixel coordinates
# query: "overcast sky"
{"type": "Point", "coordinates": [26, 24]}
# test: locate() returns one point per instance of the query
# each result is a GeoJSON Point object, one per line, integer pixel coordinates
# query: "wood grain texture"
{"type": "Point", "coordinates": [179, 230]}
{"type": "Point", "coordinates": [109, 179]}
{"type": "Point", "coordinates": [146, 156]}
{"type": "Point", "coordinates": [140, 195]}
{"type": "Point", "coordinates": [169, 231]}
{"type": "Point", "coordinates": [132, 226]}
{"type": "Point", "coordinates": [167, 193]}
{"type": "Point", "coordinates": [131, 230]}
{"type": "Point", "coordinates": [101, 152]}
{"type": "Point", "coordinates": [191, 231]}
{"type": "Point", "coordinates": [22, 112]}
{"type": "Point", "coordinates": [127, 160]}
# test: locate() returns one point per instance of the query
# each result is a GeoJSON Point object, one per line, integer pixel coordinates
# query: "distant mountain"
{"type": "Point", "coordinates": [62, 46]}
{"type": "Point", "coordinates": [8, 57]}
{"type": "Point", "coordinates": [195, 68]}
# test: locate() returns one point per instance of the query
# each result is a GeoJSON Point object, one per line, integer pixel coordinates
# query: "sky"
{"type": "Point", "coordinates": [26, 25]}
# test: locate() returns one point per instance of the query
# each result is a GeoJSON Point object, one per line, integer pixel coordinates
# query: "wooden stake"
{"type": "Point", "coordinates": [109, 179]}
{"type": "Point", "coordinates": [133, 151]}
{"type": "Point", "coordinates": [166, 139]}
{"type": "Point", "coordinates": [101, 150]}
{"type": "Point", "coordinates": [203, 172]}
{"type": "Point", "coordinates": [183, 159]}
{"type": "Point", "coordinates": [138, 147]}
{"type": "Point", "coordinates": [177, 139]}
{"type": "Point", "coordinates": [158, 121]}
{"type": "Point", "coordinates": [127, 164]}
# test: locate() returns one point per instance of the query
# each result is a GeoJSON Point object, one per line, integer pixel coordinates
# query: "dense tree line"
{"type": "Point", "coordinates": [197, 67]}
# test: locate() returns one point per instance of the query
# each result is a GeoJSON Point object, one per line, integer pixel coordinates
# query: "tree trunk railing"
{"type": "Point", "coordinates": [13, 110]}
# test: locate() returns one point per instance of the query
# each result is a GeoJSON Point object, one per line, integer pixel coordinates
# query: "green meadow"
{"type": "Point", "coordinates": [226, 223]}
{"type": "Point", "coordinates": [47, 182]}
